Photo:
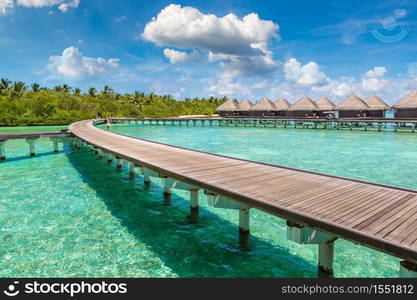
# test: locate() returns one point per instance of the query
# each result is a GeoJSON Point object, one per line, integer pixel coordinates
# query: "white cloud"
{"type": "Point", "coordinates": [119, 19]}
{"type": "Point", "coordinates": [239, 43]}
{"type": "Point", "coordinates": [5, 5]}
{"type": "Point", "coordinates": [64, 7]}
{"type": "Point", "coordinates": [74, 65]}
{"type": "Point", "coordinates": [38, 3]}
{"type": "Point", "coordinates": [373, 80]}
{"type": "Point", "coordinates": [305, 75]}
{"type": "Point", "coordinates": [226, 86]}
{"type": "Point", "coordinates": [179, 57]}
{"type": "Point", "coordinates": [336, 88]}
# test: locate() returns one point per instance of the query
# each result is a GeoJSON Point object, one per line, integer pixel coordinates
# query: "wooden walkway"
{"type": "Point", "coordinates": [364, 124]}
{"type": "Point", "coordinates": [35, 135]}
{"type": "Point", "coordinates": [377, 216]}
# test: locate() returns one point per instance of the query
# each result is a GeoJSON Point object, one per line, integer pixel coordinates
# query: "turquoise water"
{"type": "Point", "coordinates": [73, 215]}
{"type": "Point", "coordinates": [5, 130]}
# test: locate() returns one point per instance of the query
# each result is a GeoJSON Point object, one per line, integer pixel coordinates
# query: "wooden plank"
{"type": "Point", "coordinates": [389, 217]}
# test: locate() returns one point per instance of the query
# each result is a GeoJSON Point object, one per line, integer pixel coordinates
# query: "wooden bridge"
{"type": "Point", "coordinates": [318, 208]}
{"type": "Point", "coordinates": [55, 137]}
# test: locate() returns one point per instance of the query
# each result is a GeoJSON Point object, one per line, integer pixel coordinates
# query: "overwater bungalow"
{"type": "Point", "coordinates": [303, 108]}
{"type": "Point", "coordinates": [264, 108]}
{"type": "Point", "coordinates": [377, 107]}
{"type": "Point", "coordinates": [406, 108]}
{"type": "Point", "coordinates": [244, 107]}
{"type": "Point", "coordinates": [352, 107]}
{"type": "Point", "coordinates": [282, 106]}
{"type": "Point", "coordinates": [228, 109]}
{"type": "Point", "coordinates": [326, 108]}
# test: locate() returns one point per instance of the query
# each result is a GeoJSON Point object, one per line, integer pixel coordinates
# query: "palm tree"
{"type": "Point", "coordinates": [57, 88]}
{"type": "Point", "coordinates": [18, 88]}
{"type": "Point", "coordinates": [92, 91]}
{"type": "Point", "coordinates": [35, 87]}
{"type": "Point", "coordinates": [66, 88]}
{"type": "Point", "coordinates": [4, 85]}
{"type": "Point", "coordinates": [77, 91]}
{"type": "Point", "coordinates": [107, 90]}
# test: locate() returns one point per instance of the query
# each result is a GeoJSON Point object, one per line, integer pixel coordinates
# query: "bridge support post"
{"type": "Point", "coordinates": [147, 180]}
{"type": "Point", "coordinates": [56, 147]}
{"type": "Point", "coordinates": [408, 269]}
{"type": "Point", "coordinates": [244, 228]}
{"type": "Point", "coordinates": [194, 208]}
{"type": "Point", "coordinates": [132, 170]}
{"type": "Point", "coordinates": [31, 143]}
{"type": "Point", "coordinates": [100, 153]}
{"type": "Point", "coordinates": [119, 164]}
{"type": "Point", "coordinates": [109, 158]}
{"type": "Point", "coordinates": [306, 235]}
{"type": "Point", "coordinates": [167, 191]}
{"type": "Point", "coordinates": [325, 263]}
{"type": "Point", "coordinates": [2, 150]}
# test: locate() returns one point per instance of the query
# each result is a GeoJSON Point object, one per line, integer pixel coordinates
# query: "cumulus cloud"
{"type": "Point", "coordinates": [305, 75]}
{"type": "Point", "coordinates": [226, 86]}
{"type": "Point", "coordinates": [64, 5]}
{"type": "Point", "coordinates": [337, 88]}
{"type": "Point", "coordinates": [74, 65]}
{"type": "Point", "coordinates": [373, 80]}
{"type": "Point", "coordinates": [239, 43]}
{"type": "Point", "coordinates": [5, 5]}
{"type": "Point", "coordinates": [179, 57]}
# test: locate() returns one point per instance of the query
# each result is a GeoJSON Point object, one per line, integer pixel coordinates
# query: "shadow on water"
{"type": "Point", "coordinates": [21, 158]}
{"type": "Point", "coordinates": [207, 249]}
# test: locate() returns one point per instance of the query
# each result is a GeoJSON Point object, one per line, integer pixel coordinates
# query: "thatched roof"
{"type": "Point", "coordinates": [282, 104]}
{"type": "Point", "coordinates": [229, 105]}
{"type": "Point", "coordinates": [245, 105]}
{"type": "Point", "coordinates": [264, 105]}
{"type": "Point", "coordinates": [375, 103]}
{"type": "Point", "coordinates": [352, 103]}
{"type": "Point", "coordinates": [304, 104]}
{"type": "Point", "coordinates": [325, 104]}
{"type": "Point", "coordinates": [409, 101]}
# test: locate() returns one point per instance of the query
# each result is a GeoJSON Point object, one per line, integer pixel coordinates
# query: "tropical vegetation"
{"type": "Point", "coordinates": [21, 105]}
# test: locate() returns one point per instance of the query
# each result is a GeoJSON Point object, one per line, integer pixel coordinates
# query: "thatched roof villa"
{"type": "Point", "coordinates": [305, 107]}
{"type": "Point", "coordinates": [263, 108]}
{"type": "Point", "coordinates": [406, 108]}
{"type": "Point", "coordinates": [325, 104]}
{"type": "Point", "coordinates": [244, 107]}
{"type": "Point", "coordinates": [282, 106]}
{"type": "Point", "coordinates": [326, 108]}
{"type": "Point", "coordinates": [352, 107]}
{"type": "Point", "coordinates": [228, 108]}
{"type": "Point", "coordinates": [377, 107]}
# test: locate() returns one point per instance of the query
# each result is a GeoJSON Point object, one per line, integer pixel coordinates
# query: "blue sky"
{"type": "Point", "coordinates": [240, 49]}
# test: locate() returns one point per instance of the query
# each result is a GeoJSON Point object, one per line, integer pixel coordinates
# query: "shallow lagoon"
{"type": "Point", "coordinates": [71, 214]}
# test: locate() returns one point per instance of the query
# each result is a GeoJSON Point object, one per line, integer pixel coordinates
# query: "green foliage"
{"type": "Point", "coordinates": [62, 105]}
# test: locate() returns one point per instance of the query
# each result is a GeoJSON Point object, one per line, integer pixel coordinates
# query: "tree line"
{"type": "Point", "coordinates": [21, 105]}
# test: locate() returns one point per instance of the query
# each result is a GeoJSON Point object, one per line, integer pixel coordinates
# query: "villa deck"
{"type": "Point", "coordinates": [375, 215]}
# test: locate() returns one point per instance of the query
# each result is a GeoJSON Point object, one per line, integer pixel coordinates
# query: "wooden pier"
{"type": "Point", "coordinates": [30, 138]}
{"type": "Point", "coordinates": [319, 208]}
{"type": "Point", "coordinates": [379, 125]}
